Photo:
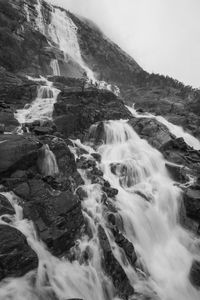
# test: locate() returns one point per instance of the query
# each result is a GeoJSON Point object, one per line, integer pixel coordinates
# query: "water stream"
{"type": "Point", "coordinates": [148, 205]}
{"type": "Point", "coordinates": [178, 131]}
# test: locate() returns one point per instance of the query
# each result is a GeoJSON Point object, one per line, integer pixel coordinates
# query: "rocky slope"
{"type": "Point", "coordinates": [45, 172]}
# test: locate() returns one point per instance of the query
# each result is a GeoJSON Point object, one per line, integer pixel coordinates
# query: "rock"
{"type": "Point", "coordinates": [68, 174]}
{"type": "Point", "coordinates": [16, 256]}
{"type": "Point", "coordinates": [178, 173]}
{"type": "Point", "coordinates": [191, 199]}
{"type": "Point", "coordinates": [113, 269]}
{"type": "Point", "coordinates": [82, 194]}
{"type": "Point", "coordinates": [5, 206]}
{"type": "Point", "coordinates": [17, 151]}
{"type": "Point", "coordinates": [72, 116]}
{"type": "Point", "coordinates": [22, 190]}
{"type": "Point", "coordinates": [126, 245]}
{"type": "Point", "coordinates": [111, 192]}
{"type": "Point", "coordinates": [42, 130]}
{"type": "Point", "coordinates": [152, 130]}
{"type": "Point", "coordinates": [58, 216]}
{"type": "Point", "coordinates": [96, 156]}
{"type": "Point", "coordinates": [85, 163]}
{"type": "Point", "coordinates": [2, 128]}
{"type": "Point", "coordinates": [19, 174]}
{"type": "Point", "coordinates": [195, 273]}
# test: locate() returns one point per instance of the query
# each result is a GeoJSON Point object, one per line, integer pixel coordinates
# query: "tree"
{"type": "Point", "coordinates": [84, 80]}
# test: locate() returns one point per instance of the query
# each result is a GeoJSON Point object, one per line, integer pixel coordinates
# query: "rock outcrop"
{"type": "Point", "coordinates": [16, 256]}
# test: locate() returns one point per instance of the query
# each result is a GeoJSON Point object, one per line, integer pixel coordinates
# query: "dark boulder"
{"type": "Point", "coordinates": [195, 273]}
{"type": "Point", "coordinates": [5, 206]}
{"type": "Point", "coordinates": [57, 216]}
{"type": "Point", "coordinates": [191, 199]}
{"type": "Point", "coordinates": [17, 151]}
{"type": "Point", "coordinates": [113, 268]}
{"type": "Point", "coordinates": [16, 256]}
{"type": "Point", "coordinates": [73, 116]}
{"type": "Point", "coordinates": [39, 130]}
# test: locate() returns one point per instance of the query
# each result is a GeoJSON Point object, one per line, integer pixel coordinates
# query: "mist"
{"type": "Point", "coordinates": [163, 36]}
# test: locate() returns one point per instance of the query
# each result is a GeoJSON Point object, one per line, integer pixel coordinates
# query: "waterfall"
{"type": "Point", "coordinates": [42, 107]}
{"type": "Point", "coordinates": [63, 32]}
{"type": "Point", "coordinates": [178, 131]}
{"type": "Point", "coordinates": [147, 206]}
{"type": "Point", "coordinates": [55, 67]}
{"type": "Point", "coordinates": [47, 163]}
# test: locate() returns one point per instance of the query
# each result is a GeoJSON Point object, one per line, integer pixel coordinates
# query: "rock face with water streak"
{"type": "Point", "coordinates": [58, 217]}
{"type": "Point", "coordinates": [16, 256]}
{"type": "Point", "coordinates": [17, 151]}
{"type": "Point", "coordinates": [75, 112]}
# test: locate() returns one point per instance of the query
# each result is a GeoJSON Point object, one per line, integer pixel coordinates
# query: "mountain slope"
{"type": "Point", "coordinates": [31, 34]}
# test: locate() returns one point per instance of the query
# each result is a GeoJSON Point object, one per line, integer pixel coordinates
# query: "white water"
{"type": "Point", "coordinates": [63, 32]}
{"type": "Point", "coordinates": [55, 67]}
{"type": "Point", "coordinates": [47, 162]}
{"type": "Point", "coordinates": [178, 131]}
{"type": "Point", "coordinates": [148, 202]}
{"type": "Point", "coordinates": [42, 107]}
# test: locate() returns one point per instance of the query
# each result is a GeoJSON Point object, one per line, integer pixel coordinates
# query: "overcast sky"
{"type": "Point", "coordinates": [163, 36]}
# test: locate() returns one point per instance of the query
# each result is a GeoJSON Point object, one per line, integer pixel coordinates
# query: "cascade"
{"type": "Point", "coordinates": [178, 131]}
{"type": "Point", "coordinates": [47, 163]}
{"type": "Point", "coordinates": [55, 67]}
{"type": "Point", "coordinates": [147, 203]}
{"type": "Point", "coordinates": [42, 107]}
{"type": "Point", "coordinates": [63, 32]}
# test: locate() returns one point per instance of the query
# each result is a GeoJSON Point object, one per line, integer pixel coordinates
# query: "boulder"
{"type": "Point", "coordinates": [112, 267]}
{"type": "Point", "coordinates": [57, 216]}
{"type": "Point", "coordinates": [17, 151]}
{"type": "Point", "coordinates": [195, 273]}
{"type": "Point", "coordinates": [73, 116]}
{"type": "Point", "coordinates": [191, 199]}
{"type": "Point", "coordinates": [5, 206]}
{"type": "Point", "coordinates": [16, 256]}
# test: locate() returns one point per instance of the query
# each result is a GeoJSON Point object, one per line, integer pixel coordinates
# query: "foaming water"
{"type": "Point", "coordinates": [178, 131]}
{"type": "Point", "coordinates": [147, 211]}
{"type": "Point", "coordinates": [55, 67]}
{"type": "Point", "coordinates": [42, 107]}
{"type": "Point", "coordinates": [63, 32]}
{"type": "Point", "coordinates": [47, 162]}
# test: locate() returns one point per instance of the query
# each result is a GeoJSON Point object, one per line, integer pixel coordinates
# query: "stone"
{"type": "Point", "coordinates": [191, 199]}
{"type": "Point", "coordinates": [5, 206]}
{"type": "Point", "coordinates": [17, 151]}
{"type": "Point", "coordinates": [16, 256]}
{"type": "Point", "coordinates": [113, 269]}
{"type": "Point", "coordinates": [57, 216]}
{"type": "Point", "coordinates": [195, 274]}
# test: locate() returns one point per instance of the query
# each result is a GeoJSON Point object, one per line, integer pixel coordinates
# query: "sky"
{"type": "Point", "coordinates": [163, 36]}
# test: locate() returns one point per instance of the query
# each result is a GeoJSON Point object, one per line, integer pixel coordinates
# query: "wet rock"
{"type": "Point", "coordinates": [178, 173]}
{"type": "Point", "coordinates": [191, 199]}
{"type": "Point", "coordinates": [16, 256]}
{"type": "Point", "coordinates": [85, 163]}
{"type": "Point", "coordinates": [146, 126]}
{"type": "Point", "coordinates": [96, 156]}
{"type": "Point", "coordinates": [82, 194]}
{"type": "Point", "coordinates": [72, 116]}
{"type": "Point", "coordinates": [17, 151]}
{"type": "Point", "coordinates": [2, 128]}
{"type": "Point", "coordinates": [57, 216]}
{"type": "Point", "coordinates": [43, 130]}
{"type": "Point", "coordinates": [5, 206]}
{"type": "Point", "coordinates": [22, 190]}
{"type": "Point", "coordinates": [111, 192]}
{"type": "Point", "coordinates": [126, 245]}
{"type": "Point", "coordinates": [68, 174]}
{"type": "Point", "coordinates": [19, 174]}
{"type": "Point", "coordinates": [195, 273]}
{"type": "Point", "coordinates": [113, 268]}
